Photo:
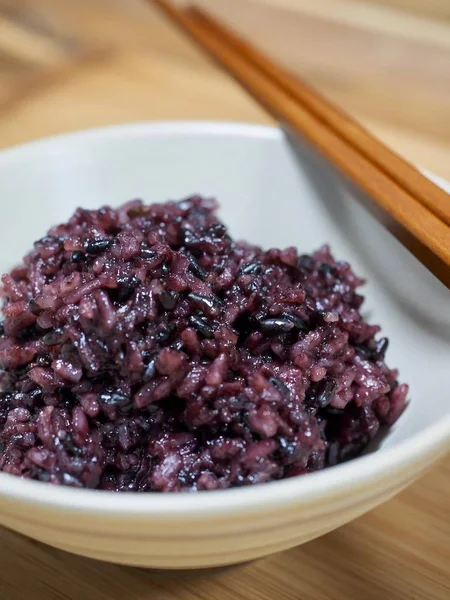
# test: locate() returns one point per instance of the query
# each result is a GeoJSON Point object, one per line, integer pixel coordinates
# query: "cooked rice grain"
{"type": "Point", "coordinates": [142, 349]}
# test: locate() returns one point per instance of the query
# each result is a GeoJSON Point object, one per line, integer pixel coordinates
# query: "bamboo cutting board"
{"type": "Point", "coordinates": [371, 59]}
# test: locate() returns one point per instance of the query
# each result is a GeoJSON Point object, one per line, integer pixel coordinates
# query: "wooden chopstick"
{"type": "Point", "coordinates": [402, 172]}
{"type": "Point", "coordinates": [418, 228]}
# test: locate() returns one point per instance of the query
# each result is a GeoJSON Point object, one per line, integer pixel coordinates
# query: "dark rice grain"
{"type": "Point", "coordinates": [142, 349]}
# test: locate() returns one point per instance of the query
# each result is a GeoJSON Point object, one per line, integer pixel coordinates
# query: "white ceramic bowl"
{"type": "Point", "coordinates": [275, 192]}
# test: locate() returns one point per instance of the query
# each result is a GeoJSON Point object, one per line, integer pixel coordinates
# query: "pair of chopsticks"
{"type": "Point", "coordinates": [410, 206]}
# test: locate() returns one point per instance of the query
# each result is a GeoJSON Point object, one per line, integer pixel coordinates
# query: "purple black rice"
{"type": "Point", "coordinates": [142, 349]}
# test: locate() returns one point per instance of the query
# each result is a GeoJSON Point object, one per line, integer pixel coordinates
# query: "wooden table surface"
{"type": "Point", "coordinates": [71, 64]}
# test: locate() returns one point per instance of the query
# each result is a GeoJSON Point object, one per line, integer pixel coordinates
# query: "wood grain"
{"type": "Point", "coordinates": [434, 8]}
{"type": "Point", "coordinates": [33, 53]}
{"type": "Point", "coordinates": [376, 72]}
{"type": "Point", "coordinates": [332, 116]}
{"type": "Point", "coordinates": [403, 209]}
{"type": "Point", "coordinates": [149, 71]}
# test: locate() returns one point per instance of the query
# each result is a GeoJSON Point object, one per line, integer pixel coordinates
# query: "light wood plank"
{"type": "Point", "coordinates": [439, 9]}
{"type": "Point", "coordinates": [382, 76]}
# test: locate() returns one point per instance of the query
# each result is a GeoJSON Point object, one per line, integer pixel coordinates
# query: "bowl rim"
{"type": "Point", "coordinates": [359, 472]}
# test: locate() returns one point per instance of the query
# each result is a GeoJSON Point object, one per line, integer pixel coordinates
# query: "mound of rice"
{"type": "Point", "coordinates": [142, 349]}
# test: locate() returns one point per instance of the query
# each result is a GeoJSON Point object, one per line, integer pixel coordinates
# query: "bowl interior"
{"type": "Point", "coordinates": [273, 191]}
